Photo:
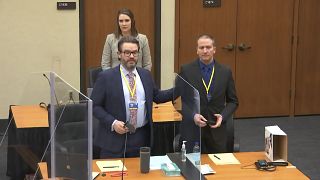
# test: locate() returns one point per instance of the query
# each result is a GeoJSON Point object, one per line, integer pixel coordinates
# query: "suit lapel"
{"type": "Point", "coordinates": [215, 80]}
{"type": "Point", "coordinates": [144, 84]}
{"type": "Point", "coordinates": [196, 73]}
{"type": "Point", "coordinates": [119, 88]}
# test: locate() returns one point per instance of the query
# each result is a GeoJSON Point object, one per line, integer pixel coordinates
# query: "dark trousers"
{"type": "Point", "coordinates": [140, 138]}
{"type": "Point", "coordinates": [214, 140]}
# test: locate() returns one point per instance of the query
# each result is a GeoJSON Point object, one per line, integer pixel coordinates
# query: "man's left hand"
{"type": "Point", "coordinates": [218, 121]}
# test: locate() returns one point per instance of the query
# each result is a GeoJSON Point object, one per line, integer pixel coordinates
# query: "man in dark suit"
{"type": "Point", "coordinates": [218, 99]}
{"type": "Point", "coordinates": [122, 101]}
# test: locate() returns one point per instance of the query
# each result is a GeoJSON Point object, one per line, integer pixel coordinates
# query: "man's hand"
{"type": "Point", "coordinates": [199, 120]}
{"type": "Point", "coordinates": [218, 121]}
{"type": "Point", "coordinates": [119, 127]}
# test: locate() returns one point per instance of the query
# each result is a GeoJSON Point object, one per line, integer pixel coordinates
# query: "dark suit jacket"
{"type": "Point", "coordinates": [224, 100]}
{"type": "Point", "coordinates": [109, 104]}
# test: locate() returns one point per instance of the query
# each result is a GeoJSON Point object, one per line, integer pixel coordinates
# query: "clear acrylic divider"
{"type": "Point", "coordinates": [25, 138]}
{"type": "Point", "coordinates": [70, 154]}
{"type": "Point", "coordinates": [58, 141]}
{"type": "Point", "coordinates": [187, 102]}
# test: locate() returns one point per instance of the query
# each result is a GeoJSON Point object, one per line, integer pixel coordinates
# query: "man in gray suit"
{"type": "Point", "coordinates": [218, 99]}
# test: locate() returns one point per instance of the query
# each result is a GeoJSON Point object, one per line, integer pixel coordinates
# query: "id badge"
{"type": "Point", "coordinates": [133, 105]}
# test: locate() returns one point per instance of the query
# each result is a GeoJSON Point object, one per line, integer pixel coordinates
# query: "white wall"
{"type": "Point", "coordinates": [35, 36]}
{"type": "Point", "coordinates": [167, 43]}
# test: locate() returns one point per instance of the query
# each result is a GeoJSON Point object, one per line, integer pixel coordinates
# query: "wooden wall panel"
{"type": "Point", "coordinates": [100, 20]}
{"type": "Point", "coordinates": [307, 99]}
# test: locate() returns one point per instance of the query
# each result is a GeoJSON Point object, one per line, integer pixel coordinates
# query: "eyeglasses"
{"type": "Point", "coordinates": [128, 53]}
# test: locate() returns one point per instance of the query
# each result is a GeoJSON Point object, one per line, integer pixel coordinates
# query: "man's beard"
{"type": "Point", "coordinates": [130, 66]}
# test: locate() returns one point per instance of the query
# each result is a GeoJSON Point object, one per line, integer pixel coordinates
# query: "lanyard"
{"type": "Point", "coordinates": [132, 91]}
{"type": "Point", "coordinates": [204, 83]}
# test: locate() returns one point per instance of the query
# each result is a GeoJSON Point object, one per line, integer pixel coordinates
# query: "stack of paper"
{"type": "Point", "coordinates": [95, 174]}
{"type": "Point", "coordinates": [223, 158]}
{"type": "Point", "coordinates": [156, 161]}
{"type": "Point", "coordinates": [206, 169]}
{"type": "Point", "coordinates": [110, 166]}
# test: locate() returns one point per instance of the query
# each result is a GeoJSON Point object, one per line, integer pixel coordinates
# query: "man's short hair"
{"type": "Point", "coordinates": [207, 36]}
{"type": "Point", "coordinates": [127, 39]}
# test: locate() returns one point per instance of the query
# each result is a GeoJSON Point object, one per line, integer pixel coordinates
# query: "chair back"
{"type": "Point", "coordinates": [93, 75]}
{"type": "Point", "coordinates": [71, 131]}
{"type": "Point", "coordinates": [232, 146]}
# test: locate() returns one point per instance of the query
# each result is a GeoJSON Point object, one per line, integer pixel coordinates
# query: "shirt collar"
{"type": "Point", "coordinates": [125, 71]}
{"type": "Point", "coordinates": [205, 66]}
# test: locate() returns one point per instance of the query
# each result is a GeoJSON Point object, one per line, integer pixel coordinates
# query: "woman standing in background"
{"type": "Point", "coordinates": [125, 27]}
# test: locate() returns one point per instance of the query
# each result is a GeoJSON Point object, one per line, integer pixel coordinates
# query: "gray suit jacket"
{"type": "Point", "coordinates": [110, 57]}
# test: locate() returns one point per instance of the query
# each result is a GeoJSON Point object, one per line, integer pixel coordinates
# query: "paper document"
{"type": "Point", "coordinates": [95, 174]}
{"type": "Point", "coordinates": [223, 158]}
{"type": "Point", "coordinates": [156, 161]}
{"type": "Point", "coordinates": [206, 169]}
{"type": "Point", "coordinates": [110, 166]}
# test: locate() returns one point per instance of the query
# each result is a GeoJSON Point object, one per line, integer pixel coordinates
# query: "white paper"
{"type": "Point", "coordinates": [156, 161]}
{"type": "Point", "coordinates": [275, 130]}
{"type": "Point", "coordinates": [95, 174]}
{"type": "Point", "coordinates": [206, 169]}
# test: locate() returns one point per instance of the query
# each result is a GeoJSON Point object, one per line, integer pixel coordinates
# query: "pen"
{"type": "Point", "coordinates": [110, 166]}
{"type": "Point", "coordinates": [216, 157]}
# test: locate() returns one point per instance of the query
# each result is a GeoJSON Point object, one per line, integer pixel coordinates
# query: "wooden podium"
{"type": "Point", "coordinates": [28, 136]}
{"type": "Point", "coordinates": [31, 116]}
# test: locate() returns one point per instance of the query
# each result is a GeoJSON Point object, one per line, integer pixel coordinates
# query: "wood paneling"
{"type": "Point", "coordinates": [307, 99]}
{"type": "Point", "coordinates": [262, 73]}
{"type": "Point", "coordinates": [100, 19]}
{"type": "Point", "coordinates": [195, 20]}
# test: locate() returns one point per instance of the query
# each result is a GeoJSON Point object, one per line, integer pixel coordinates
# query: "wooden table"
{"type": "Point", "coordinates": [165, 126]}
{"type": "Point", "coordinates": [223, 171]}
{"type": "Point", "coordinates": [165, 112]}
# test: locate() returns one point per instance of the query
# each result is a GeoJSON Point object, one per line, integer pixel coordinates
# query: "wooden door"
{"type": "Point", "coordinates": [263, 72]}
{"type": "Point", "coordinates": [307, 99]}
{"type": "Point", "coordinates": [100, 19]}
{"type": "Point", "coordinates": [195, 20]}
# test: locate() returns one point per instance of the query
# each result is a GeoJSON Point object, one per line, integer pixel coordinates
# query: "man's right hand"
{"type": "Point", "coordinates": [119, 127]}
{"type": "Point", "coordinates": [199, 120]}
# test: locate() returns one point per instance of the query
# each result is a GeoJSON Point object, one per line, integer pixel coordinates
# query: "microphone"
{"type": "Point", "coordinates": [71, 97]}
{"type": "Point", "coordinates": [132, 129]}
{"type": "Point", "coordinates": [124, 154]}
{"type": "Point", "coordinates": [54, 92]}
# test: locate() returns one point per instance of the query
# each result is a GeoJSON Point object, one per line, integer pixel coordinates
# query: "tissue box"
{"type": "Point", "coordinates": [276, 144]}
{"type": "Point", "coordinates": [170, 169]}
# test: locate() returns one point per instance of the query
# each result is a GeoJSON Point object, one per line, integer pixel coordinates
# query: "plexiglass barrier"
{"type": "Point", "coordinates": [71, 131]}
{"type": "Point", "coordinates": [48, 127]}
{"type": "Point", "coordinates": [187, 102]}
